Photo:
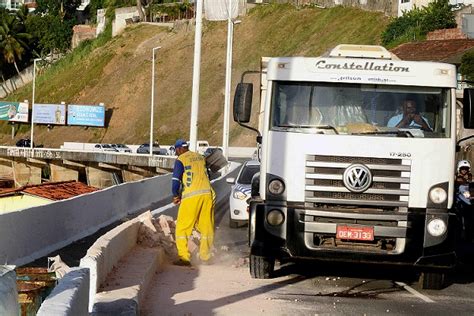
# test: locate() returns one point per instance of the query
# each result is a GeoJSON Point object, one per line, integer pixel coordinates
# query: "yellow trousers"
{"type": "Point", "coordinates": [196, 211]}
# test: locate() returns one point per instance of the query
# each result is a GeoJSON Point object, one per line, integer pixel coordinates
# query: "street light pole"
{"type": "Point", "coordinates": [196, 77]}
{"type": "Point", "coordinates": [152, 98]}
{"type": "Point", "coordinates": [228, 80]}
{"type": "Point", "coordinates": [33, 102]}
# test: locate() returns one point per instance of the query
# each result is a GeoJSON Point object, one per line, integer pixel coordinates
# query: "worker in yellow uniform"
{"type": "Point", "coordinates": [193, 192]}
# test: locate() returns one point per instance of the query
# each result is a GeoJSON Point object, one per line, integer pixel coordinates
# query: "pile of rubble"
{"type": "Point", "coordinates": [160, 232]}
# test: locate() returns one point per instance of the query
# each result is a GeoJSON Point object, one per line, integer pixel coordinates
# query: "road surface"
{"type": "Point", "coordinates": [226, 287]}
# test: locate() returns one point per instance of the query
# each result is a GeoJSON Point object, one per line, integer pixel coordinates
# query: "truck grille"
{"type": "Point", "coordinates": [324, 181]}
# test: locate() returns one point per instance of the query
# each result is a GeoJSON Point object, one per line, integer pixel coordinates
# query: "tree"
{"type": "Point", "coordinates": [65, 9]}
{"type": "Point", "coordinates": [415, 24]}
{"type": "Point", "coordinates": [13, 40]}
{"type": "Point", "coordinates": [467, 66]}
{"type": "Point", "coordinates": [50, 33]}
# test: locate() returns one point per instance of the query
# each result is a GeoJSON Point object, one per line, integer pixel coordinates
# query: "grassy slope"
{"type": "Point", "coordinates": [119, 73]}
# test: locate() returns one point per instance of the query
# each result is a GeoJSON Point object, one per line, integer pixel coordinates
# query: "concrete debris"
{"type": "Point", "coordinates": [241, 262]}
{"type": "Point", "coordinates": [57, 265]}
{"type": "Point", "coordinates": [166, 222]}
{"type": "Point", "coordinates": [160, 232]}
{"type": "Point", "coordinates": [225, 248]}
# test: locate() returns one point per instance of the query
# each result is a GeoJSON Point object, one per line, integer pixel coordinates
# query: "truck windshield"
{"type": "Point", "coordinates": [359, 109]}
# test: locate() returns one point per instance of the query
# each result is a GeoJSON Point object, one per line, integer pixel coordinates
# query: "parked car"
{"type": "Point", "coordinates": [145, 149]}
{"type": "Point", "coordinates": [121, 148]}
{"type": "Point", "coordinates": [26, 142]}
{"type": "Point", "coordinates": [240, 193]}
{"type": "Point", "coordinates": [201, 146]}
{"type": "Point", "coordinates": [105, 147]}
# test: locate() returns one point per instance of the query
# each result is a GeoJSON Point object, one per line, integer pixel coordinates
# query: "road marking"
{"type": "Point", "coordinates": [415, 292]}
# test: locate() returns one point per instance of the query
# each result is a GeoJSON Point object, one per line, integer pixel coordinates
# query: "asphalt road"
{"type": "Point", "coordinates": [303, 289]}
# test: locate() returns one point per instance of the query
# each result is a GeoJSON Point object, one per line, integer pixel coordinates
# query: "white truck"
{"type": "Point", "coordinates": [357, 161]}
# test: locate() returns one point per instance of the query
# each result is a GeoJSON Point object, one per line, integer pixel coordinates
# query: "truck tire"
{"type": "Point", "coordinates": [432, 280]}
{"type": "Point", "coordinates": [233, 223]}
{"type": "Point", "coordinates": [261, 267]}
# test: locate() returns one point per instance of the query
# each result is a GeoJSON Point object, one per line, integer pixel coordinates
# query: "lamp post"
{"type": "Point", "coordinates": [33, 102]}
{"type": "Point", "coordinates": [228, 81]}
{"type": "Point", "coordinates": [152, 98]}
{"type": "Point", "coordinates": [196, 76]}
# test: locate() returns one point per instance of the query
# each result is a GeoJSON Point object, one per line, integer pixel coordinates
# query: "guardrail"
{"type": "Point", "coordinates": [165, 162]}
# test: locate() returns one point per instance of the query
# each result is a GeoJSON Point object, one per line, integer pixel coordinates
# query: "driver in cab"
{"type": "Point", "coordinates": [410, 118]}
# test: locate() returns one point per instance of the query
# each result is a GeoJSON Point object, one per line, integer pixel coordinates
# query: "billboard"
{"type": "Point", "coordinates": [86, 115]}
{"type": "Point", "coordinates": [14, 111]}
{"type": "Point", "coordinates": [49, 114]}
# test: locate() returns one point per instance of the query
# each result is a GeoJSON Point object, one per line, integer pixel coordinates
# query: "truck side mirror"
{"type": "Point", "coordinates": [468, 108]}
{"type": "Point", "coordinates": [243, 102]}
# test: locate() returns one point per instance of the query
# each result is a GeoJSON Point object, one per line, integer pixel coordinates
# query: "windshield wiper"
{"type": "Point", "coordinates": [400, 133]}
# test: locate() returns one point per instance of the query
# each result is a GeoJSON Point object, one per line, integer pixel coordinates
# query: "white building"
{"type": "Point", "coordinates": [407, 5]}
{"type": "Point", "coordinates": [16, 4]}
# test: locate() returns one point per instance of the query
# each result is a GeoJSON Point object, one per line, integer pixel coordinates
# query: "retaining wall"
{"type": "Point", "coordinates": [8, 292]}
{"type": "Point", "coordinates": [105, 253]}
{"type": "Point", "coordinates": [69, 297]}
{"type": "Point", "coordinates": [32, 233]}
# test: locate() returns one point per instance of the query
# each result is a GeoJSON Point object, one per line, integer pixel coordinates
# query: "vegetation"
{"type": "Point", "coordinates": [24, 35]}
{"type": "Point", "coordinates": [118, 72]}
{"type": "Point", "coordinates": [467, 66]}
{"type": "Point", "coordinates": [415, 24]}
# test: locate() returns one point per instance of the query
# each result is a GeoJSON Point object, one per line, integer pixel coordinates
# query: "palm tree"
{"type": "Point", "coordinates": [12, 40]}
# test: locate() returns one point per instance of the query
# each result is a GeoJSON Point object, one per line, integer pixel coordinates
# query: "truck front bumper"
{"type": "Point", "coordinates": [399, 237]}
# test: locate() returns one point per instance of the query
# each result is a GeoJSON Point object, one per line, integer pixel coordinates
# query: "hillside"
{"type": "Point", "coordinates": [119, 73]}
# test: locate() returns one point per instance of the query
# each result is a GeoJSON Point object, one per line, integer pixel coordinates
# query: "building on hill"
{"type": "Point", "coordinates": [441, 46]}
{"type": "Point", "coordinates": [40, 194]}
{"type": "Point", "coordinates": [16, 4]}
{"type": "Point", "coordinates": [408, 5]}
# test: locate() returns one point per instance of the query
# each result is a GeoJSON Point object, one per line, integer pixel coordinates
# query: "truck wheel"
{"type": "Point", "coordinates": [432, 280]}
{"type": "Point", "coordinates": [261, 267]}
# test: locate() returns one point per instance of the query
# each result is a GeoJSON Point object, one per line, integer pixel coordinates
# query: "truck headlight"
{"type": "Point", "coordinates": [438, 195]}
{"type": "Point", "coordinates": [276, 187]}
{"type": "Point", "coordinates": [239, 195]}
{"type": "Point", "coordinates": [436, 227]}
{"type": "Point", "coordinates": [275, 217]}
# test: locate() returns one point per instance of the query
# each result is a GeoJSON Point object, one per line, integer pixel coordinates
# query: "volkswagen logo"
{"type": "Point", "coordinates": [357, 178]}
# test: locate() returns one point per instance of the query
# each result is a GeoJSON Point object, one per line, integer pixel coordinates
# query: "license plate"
{"type": "Point", "coordinates": [355, 233]}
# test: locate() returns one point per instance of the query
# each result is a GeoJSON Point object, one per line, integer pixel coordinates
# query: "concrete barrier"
{"type": "Point", "coordinates": [32, 233]}
{"type": "Point", "coordinates": [8, 292]}
{"type": "Point", "coordinates": [104, 256]}
{"type": "Point", "coordinates": [105, 253]}
{"type": "Point", "coordinates": [69, 297]}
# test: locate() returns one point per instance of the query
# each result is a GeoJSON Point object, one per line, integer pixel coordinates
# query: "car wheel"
{"type": "Point", "coordinates": [261, 267]}
{"type": "Point", "coordinates": [233, 223]}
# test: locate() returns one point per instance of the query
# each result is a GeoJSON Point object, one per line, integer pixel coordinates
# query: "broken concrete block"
{"type": "Point", "coordinates": [165, 227]}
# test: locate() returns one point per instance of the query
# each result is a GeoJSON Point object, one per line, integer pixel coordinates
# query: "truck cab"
{"type": "Point", "coordinates": [357, 161]}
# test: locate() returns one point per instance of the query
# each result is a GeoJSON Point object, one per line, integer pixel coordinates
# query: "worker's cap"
{"type": "Point", "coordinates": [180, 143]}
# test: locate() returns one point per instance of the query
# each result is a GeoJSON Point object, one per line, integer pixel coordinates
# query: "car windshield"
{"type": "Point", "coordinates": [360, 109]}
{"type": "Point", "coordinates": [106, 146]}
{"type": "Point", "coordinates": [247, 174]}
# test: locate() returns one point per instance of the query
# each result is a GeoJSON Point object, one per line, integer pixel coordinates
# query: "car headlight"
{"type": "Point", "coordinates": [436, 227]}
{"type": "Point", "coordinates": [276, 187]}
{"type": "Point", "coordinates": [239, 195]}
{"type": "Point", "coordinates": [275, 217]}
{"type": "Point", "coordinates": [438, 195]}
